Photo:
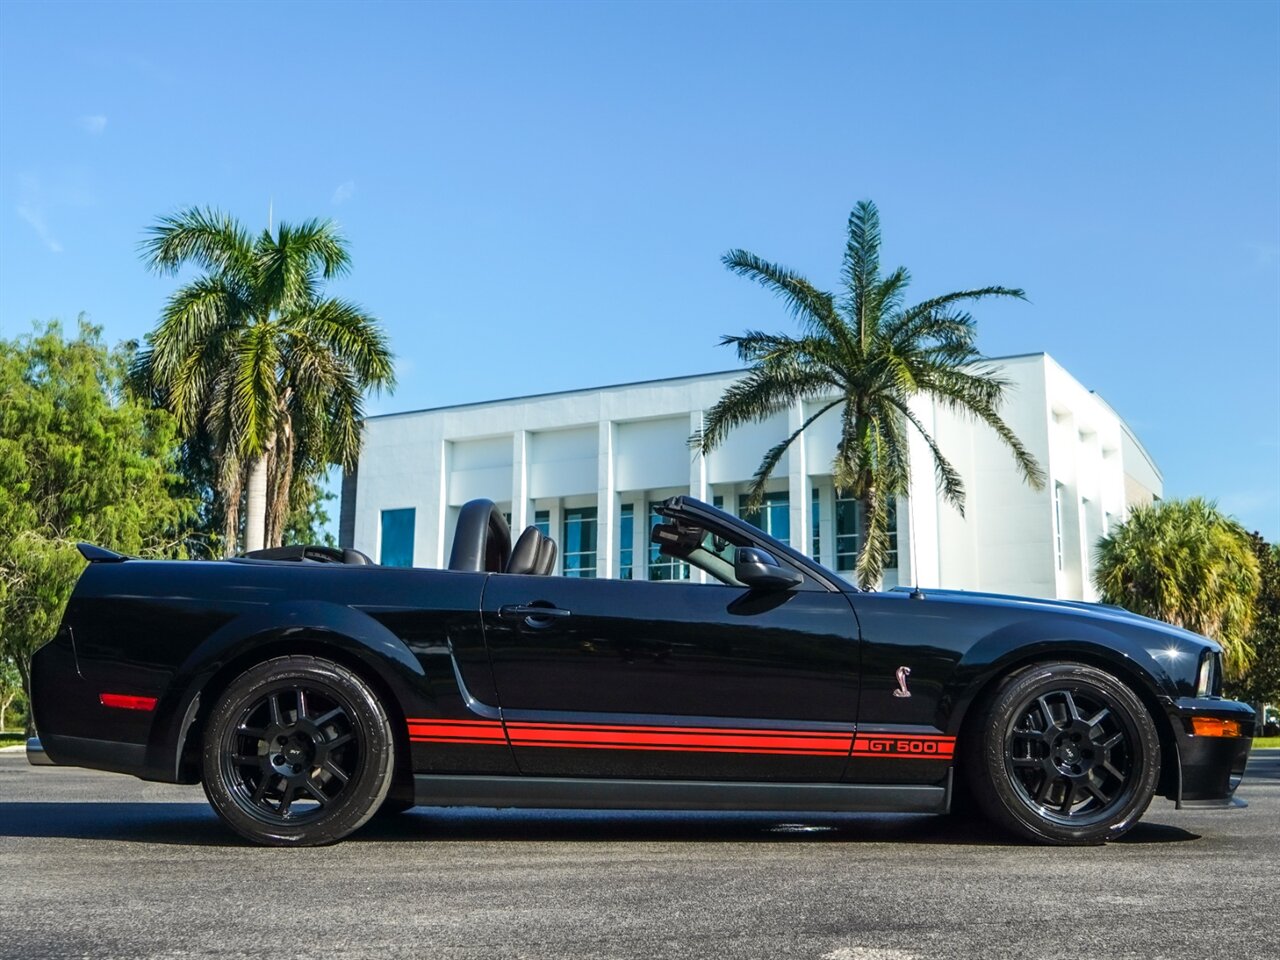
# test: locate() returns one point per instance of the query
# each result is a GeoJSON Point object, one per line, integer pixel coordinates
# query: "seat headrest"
{"type": "Point", "coordinates": [482, 541]}
{"type": "Point", "coordinates": [526, 553]}
{"type": "Point", "coordinates": [547, 557]}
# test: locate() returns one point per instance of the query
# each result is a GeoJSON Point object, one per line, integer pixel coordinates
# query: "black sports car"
{"type": "Point", "coordinates": [308, 688]}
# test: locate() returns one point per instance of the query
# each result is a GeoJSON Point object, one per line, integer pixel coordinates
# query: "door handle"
{"type": "Point", "coordinates": [534, 614]}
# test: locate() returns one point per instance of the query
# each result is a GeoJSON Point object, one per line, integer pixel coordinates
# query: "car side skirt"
{"type": "Point", "coordinates": [434, 790]}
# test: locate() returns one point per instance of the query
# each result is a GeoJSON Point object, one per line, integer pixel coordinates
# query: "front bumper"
{"type": "Point", "coordinates": [1210, 768]}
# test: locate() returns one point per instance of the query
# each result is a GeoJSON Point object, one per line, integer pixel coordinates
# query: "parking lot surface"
{"type": "Point", "coordinates": [104, 866]}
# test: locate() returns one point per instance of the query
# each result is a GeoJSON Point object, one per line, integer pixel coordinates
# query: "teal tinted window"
{"type": "Point", "coordinates": [579, 545]}
{"type": "Point", "coordinates": [773, 517]}
{"type": "Point", "coordinates": [542, 520]}
{"type": "Point", "coordinates": [626, 537]}
{"type": "Point", "coordinates": [848, 532]}
{"type": "Point", "coordinates": [817, 538]}
{"type": "Point", "coordinates": [397, 538]}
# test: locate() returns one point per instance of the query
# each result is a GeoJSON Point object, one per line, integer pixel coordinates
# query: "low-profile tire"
{"type": "Point", "coordinates": [297, 752]}
{"type": "Point", "coordinates": [1063, 753]}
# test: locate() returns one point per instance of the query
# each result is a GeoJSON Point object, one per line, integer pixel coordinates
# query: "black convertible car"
{"type": "Point", "coordinates": [308, 689]}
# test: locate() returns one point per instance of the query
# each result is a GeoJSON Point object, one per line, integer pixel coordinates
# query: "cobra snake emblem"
{"type": "Point", "coordinates": [902, 691]}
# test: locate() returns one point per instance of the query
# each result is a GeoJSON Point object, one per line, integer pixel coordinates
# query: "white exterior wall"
{"type": "Point", "coordinates": [629, 444]}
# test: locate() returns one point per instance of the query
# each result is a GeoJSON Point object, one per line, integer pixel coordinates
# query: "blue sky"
{"type": "Point", "coordinates": [537, 196]}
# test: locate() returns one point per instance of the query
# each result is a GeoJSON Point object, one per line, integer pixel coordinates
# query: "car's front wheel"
{"type": "Point", "coordinates": [297, 752]}
{"type": "Point", "coordinates": [1064, 753]}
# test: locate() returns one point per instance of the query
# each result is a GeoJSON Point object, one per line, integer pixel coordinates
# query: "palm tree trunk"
{"type": "Point", "coordinates": [281, 483]}
{"type": "Point", "coordinates": [232, 487]}
{"type": "Point", "coordinates": [255, 525]}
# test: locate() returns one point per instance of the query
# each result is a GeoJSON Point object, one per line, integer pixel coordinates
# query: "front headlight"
{"type": "Point", "coordinates": [1209, 681]}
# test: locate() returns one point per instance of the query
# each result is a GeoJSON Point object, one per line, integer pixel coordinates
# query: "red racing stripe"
{"type": "Point", "coordinates": [676, 738]}
{"type": "Point", "coordinates": [602, 736]}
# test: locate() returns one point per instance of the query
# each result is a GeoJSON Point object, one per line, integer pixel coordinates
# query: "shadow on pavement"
{"type": "Point", "coordinates": [194, 824]}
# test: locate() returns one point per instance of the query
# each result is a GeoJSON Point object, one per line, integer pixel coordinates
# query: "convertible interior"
{"type": "Point", "coordinates": [482, 544]}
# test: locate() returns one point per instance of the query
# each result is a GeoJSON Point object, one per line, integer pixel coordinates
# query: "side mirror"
{"type": "Point", "coordinates": [758, 570]}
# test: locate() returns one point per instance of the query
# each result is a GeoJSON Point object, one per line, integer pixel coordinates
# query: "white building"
{"type": "Point", "coordinates": [587, 464]}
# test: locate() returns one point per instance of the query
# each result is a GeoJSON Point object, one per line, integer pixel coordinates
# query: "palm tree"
{"type": "Point", "coordinates": [864, 352]}
{"type": "Point", "coordinates": [1183, 562]}
{"type": "Point", "coordinates": [254, 356]}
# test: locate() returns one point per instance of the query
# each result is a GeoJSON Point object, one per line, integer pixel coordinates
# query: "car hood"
{"type": "Point", "coordinates": [1103, 612]}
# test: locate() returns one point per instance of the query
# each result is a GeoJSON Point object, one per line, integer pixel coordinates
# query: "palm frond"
{"type": "Point", "coordinates": [320, 244]}
{"type": "Point", "coordinates": [948, 479]}
{"type": "Point", "coordinates": [860, 270]}
{"type": "Point", "coordinates": [211, 239]}
{"type": "Point", "coordinates": [1028, 466]}
{"type": "Point", "coordinates": [763, 392]}
{"type": "Point", "coordinates": [353, 336]}
{"type": "Point", "coordinates": [814, 308]}
{"type": "Point", "coordinates": [890, 290]}
{"type": "Point", "coordinates": [769, 462]}
{"type": "Point", "coordinates": [978, 293]}
{"type": "Point", "coordinates": [253, 401]}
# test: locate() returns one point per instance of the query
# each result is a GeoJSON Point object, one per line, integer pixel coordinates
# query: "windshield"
{"type": "Point", "coordinates": [707, 550]}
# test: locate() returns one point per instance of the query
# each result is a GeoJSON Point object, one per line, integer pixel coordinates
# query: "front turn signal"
{"type": "Point", "coordinates": [1212, 727]}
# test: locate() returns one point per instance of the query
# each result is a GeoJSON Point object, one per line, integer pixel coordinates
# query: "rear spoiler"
{"type": "Point", "coordinates": [95, 554]}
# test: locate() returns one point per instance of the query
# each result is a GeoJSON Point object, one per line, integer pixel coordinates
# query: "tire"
{"type": "Point", "coordinates": [1065, 754]}
{"type": "Point", "coordinates": [298, 752]}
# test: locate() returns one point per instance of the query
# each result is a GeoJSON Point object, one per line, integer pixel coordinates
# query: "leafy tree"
{"type": "Point", "coordinates": [1184, 562]}
{"type": "Point", "coordinates": [10, 691]}
{"type": "Point", "coordinates": [252, 354]}
{"type": "Point", "coordinates": [308, 520]}
{"type": "Point", "coordinates": [863, 352]}
{"type": "Point", "coordinates": [1261, 684]}
{"type": "Point", "coordinates": [80, 459]}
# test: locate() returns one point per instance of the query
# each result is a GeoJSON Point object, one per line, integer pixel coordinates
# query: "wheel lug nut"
{"type": "Point", "coordinates": [297, 768]}
{"type": "Point", "coordinates": [278, 758]}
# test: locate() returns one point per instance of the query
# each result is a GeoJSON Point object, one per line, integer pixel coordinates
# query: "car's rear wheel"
{"type": "Point", "coordinates": [297, 752]}
{"type": "Point", "coordinates": [1064, 753]}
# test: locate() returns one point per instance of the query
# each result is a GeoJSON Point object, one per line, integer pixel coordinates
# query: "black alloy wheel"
{"type": "Point", "coordinates": [298, 752]}
{"type": "Point", "coordinates": [1063, 753]}
{"type": "Point", "coordinates": [1070, 754]}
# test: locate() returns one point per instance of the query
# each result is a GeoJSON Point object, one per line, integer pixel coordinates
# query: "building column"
{"type": "Point", "coordinates": [827, 526]}
{"type": "Point", "coordinates": [519, 481]}
{"type": "Point", "coordinates": [799, 493]}
{"type": "Point", "coordinates": [640, 538]}
{"type": "Point", "coordinates": [607, 507]}
{"type": "Point", "coordinates": [697, 481]}
{"type": "Point", "coordinates": [436, 540]}
{"type": "Point", "coordinates": [555, 523]}
{"type": "Point", "coordinates": [918, 521]}
{"type": "Point", "coordinates": [698, 462]}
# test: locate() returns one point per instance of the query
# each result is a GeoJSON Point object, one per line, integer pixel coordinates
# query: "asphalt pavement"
{"type": "Point", "coordinates": [105, 866]}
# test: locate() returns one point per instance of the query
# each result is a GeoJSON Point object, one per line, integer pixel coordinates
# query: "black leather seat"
{"type": "Point", "coordinates": [527, 553]}
{"type": "Point", "coordinates": [547, 557]}
{"type": "Point", "coordinates": [482, 541]}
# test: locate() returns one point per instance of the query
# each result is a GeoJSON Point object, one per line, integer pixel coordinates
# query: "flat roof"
{"type": "Point", "coordinates": [612, 386]}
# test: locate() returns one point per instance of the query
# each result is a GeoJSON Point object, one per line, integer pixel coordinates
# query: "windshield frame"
{"type": "Point", "coordinates": [696, 513]}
